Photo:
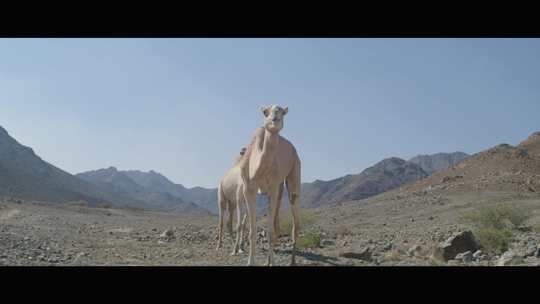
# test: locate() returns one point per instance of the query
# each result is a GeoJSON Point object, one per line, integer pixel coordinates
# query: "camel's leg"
{"type": "Point", "coordinates": [241, 248]}
{"type": "Point", "coordinates": [238, 227]}
{"type": "Point", "coordinates": [221, 202]}
{"type": "Point", "coordinates": [250, 197]}
{"type": "Point", "coordinates": [230, 222]}
{"type": "Point", "coordinates": [293, 188]}
{"type": "Point", "coordinates": [277, 229]}
{"type": "Point", "coordinates": [272, 197]}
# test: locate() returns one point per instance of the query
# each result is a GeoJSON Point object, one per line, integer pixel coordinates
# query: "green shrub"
{"type": "Point", "coordinates": [494, 239]}
{"type": "Point", "coordinates": [309, 240]}
{"type": "Point", "coordinates": [494, 224]}
{"type": "Point", "coordinates": [286, 222]}
{"type": "Point", "coordinates": [498, 216]}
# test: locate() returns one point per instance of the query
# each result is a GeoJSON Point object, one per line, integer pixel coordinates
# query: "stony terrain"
{"type": "Point", "coordinates": [417, 224]}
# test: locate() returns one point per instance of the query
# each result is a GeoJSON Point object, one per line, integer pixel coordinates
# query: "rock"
{"type": "Point", "coordinates": [327, 243]}
{"type": "Point", "coordinates": [509, 258]}
{"type": "Point", "coordinates": [167, 235]}
{"type": "Point", "coordinates": [413, 250]}
{"type": "Point", "coordinates": [466, 256]}
{"type": "Point", "coordinates": [530, 251]}
{"type": "Point", "coordinates": [364, 254]}
{"type": "Point", "coordinates": [524, 228]}
{"type": "Point", "coordinates": [457, 243]}
{"type": "Point", "coordinates": [477, 255]}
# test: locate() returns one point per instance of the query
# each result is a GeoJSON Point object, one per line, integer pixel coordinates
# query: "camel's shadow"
{"type": "Point", "coordinates": [311, 256]}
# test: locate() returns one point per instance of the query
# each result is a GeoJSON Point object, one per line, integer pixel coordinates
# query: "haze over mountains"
{"type": "Point", "coordinates": [438, 161]}
{"type": "Point", "coordinates": [25, 175]}
{"type": "Point", "coordinates": [386, 175]}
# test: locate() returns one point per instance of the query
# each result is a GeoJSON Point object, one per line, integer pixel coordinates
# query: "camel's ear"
{"type": "Point", "coordinates": [285, 110]}
{"type": "Point", "coordinates": [264, 110]}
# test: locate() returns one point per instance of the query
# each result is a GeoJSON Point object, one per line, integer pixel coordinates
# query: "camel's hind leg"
{"type": "Point", "coordinates": [231, 209]}
{"type": "Point", "coordinates": [293, 188]}
{"type": "Point", "coordinates": [222, 206]}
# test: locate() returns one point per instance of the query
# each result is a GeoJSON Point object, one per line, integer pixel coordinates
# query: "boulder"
{"type": "Point", "coordinates": [455, 244]}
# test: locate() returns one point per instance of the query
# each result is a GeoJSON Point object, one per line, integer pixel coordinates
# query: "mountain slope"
{"type": "Point", "coordinates": [120, 183]}
{"type": "Point", "coordinates": [25, 175]}
{"type": "Point", "coordinates": [500, 168]}
{"type": "Point", "coordinates": [439, 161]}
{"type": "Point", "coordinates": [388, 174]}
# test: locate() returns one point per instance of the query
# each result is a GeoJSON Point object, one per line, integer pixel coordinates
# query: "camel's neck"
{"type": "Point", "coordinates": [270, 143]}
{"type": "Point", "coordinates": [265, 155]}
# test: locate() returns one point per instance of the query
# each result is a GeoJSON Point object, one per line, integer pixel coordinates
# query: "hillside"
{"type": "Point", "coordinates": [23, 174]}
{"type": "Point", "coordinates": [156, 197]}
{"type": "Point", "coordinates": [500, 168]}
{"type": "Point", "coordinates": [438, 161]}
{"type": "Point", "coordinates": [383, 176]}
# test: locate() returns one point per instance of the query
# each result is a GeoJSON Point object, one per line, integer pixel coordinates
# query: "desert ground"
{"type": "Point", "coordinates": [396, 228]}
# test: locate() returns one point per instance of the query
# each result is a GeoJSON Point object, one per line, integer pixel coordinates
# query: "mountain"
{"type": "Point", "coordinates": [387, 174]}
{"type": "Point", "coordinates": [203, 197]}
{"type": "Point", "coordinates": [532, 144]}
{"type": "Point", "coordinates": [148, 190]}
{"type": "Point", "coordinates": [503, 167]}
{"type": "Point", "coordinates": [439, 161]}
{"type": "Point", "coordinates": [25, 175]}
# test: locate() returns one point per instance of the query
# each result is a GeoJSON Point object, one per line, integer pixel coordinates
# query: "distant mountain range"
{"type": "Point", "coordinates": [139, 186]}
{"type": "Point", "coordinates": [385, 175]}
{"type": "Point", "coordinates": [24, 175]}
{"type": "Point", "coordinates": [438, 161]}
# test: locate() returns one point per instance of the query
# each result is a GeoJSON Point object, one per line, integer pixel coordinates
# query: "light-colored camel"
{"type": "Point", "coordinates": [269, 162]}
{"type": "Point", "coordinates": [231, 197]}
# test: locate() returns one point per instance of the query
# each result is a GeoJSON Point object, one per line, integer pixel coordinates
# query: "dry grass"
{"type": "Point", "coordinates": [392, 256]}
{"type": "Point", "coordinates": [537, 228]}
{"type": "Point", "coordinates": [343, 231]}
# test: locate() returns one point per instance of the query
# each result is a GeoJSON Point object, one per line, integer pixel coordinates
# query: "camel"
{"type": "Point", "coordinates": [231, 197]}
{"type": "Point", "coordinates": [269, 162]}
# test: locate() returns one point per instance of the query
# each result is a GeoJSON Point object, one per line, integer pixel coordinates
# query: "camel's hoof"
{"type": "Point", "coordinates": [241, 250]}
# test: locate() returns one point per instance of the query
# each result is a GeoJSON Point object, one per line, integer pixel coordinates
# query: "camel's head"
{"type": "Point", "coordinates": [273, 117]}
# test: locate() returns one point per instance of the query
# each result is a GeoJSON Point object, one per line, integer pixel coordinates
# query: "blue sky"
{"type": "Point", "coordinates": [185, 107]}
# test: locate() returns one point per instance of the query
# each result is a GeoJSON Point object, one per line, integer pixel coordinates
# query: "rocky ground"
{"type": "Point", "coordinates": [396, 228]}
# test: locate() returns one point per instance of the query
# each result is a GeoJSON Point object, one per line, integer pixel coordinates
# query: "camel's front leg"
{"type": "Point", "coordinates": [296, 224]}
{"type": "Point", "coordinates": [272, 197]}
{"type": "Point", "coordinates": [241, 245]}
{"type": "Point", "coordinates": [250, 202]}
